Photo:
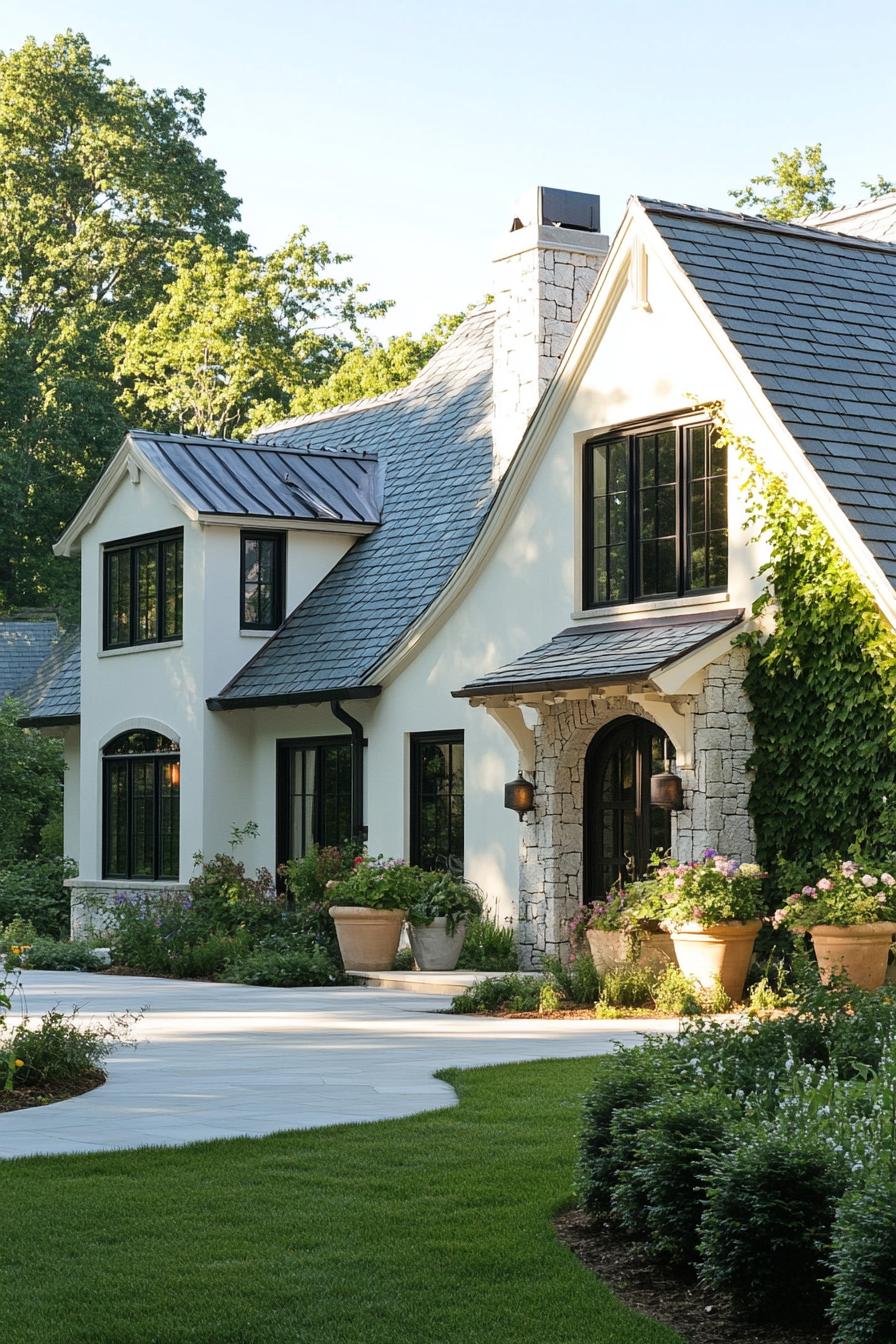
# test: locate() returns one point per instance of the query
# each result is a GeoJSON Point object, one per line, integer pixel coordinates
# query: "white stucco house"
{"type": "Point", "coordinates": [530, 561]}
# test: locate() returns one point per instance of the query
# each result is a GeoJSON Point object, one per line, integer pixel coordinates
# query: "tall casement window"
{"type": "Point", "coordinates": [141, 807]}
{"type": "Point", "coordinates": [314, 794]}
{"type": "Point", "coordinates": [262, 580]}
{"type": "Point", "coordinates": [655, 514]}
{"type": "Point", "coordinates": [437, 800]}
{"type": "Point", "coordinates": [143, 590]}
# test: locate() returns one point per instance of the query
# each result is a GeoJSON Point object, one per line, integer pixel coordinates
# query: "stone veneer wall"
{"type": "Point", "coordinates": [716, 795]}
{"type": "Point", "coordinates": [90, 902]}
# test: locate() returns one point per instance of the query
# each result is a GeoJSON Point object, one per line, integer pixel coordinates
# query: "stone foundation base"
{"type": "Point", "coordinates": [90, 902]}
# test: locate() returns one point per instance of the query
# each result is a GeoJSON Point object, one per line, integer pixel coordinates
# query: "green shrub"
{"type": "Point", "coordinates": [550, 1000]}
{"type": "Point", "coordinates": [32, 889]}
{"type": "Point", "coordinates": [863, 1308]}
{"type": "Point", "coordinates": [60, 1050]}
{"type": "Point", "coordinates": [766, 1228]}
{"type": "Point", "coordinates": [488, 946]}
{"type": "Point", "coordinates": [270, 964]}
{"type": "Point", "coordinates": [46, 954]}
{"type": "Point", "coordinates": [443, 896]}
{"type": "Point", "coordinates": [659, 1190]}
{"type": "Point", "coordinates": [305, 882]}
{"type": "Point", "coordinates": [379, 884]}
{"type": "Point", "coordinates": [674, 992]}
{"type": "Point", "coordinates": [16, 933]}
{"type": "Point", "coordinates": [629, 986]}
{"type": "Point", "coordinates": [577, 980]}
{"type": "Point", "coordinates": [513, 993]}
{"type": "Point", "coordinates": [624, 1081]}
{"type": "Point", "coordinates": [207, 959]}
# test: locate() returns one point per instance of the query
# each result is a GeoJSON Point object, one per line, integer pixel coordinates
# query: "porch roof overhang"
{"type": "Point", "coordinates": [617, 653]}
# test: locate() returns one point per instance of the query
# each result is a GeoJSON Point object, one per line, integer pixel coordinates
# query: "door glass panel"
{"type": "Point", "coordinates": [623, 827]}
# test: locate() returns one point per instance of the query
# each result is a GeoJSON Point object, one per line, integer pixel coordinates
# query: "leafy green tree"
{"type": "Point", "coordinates": [30, 785]}
{"type": "Point", "coordinates": [372, 368]}
{"type": "Point", "coordinates": [100, 179]}
{"type": "Point", "coordinates": [232, 337]}
{"type": "Point", "coordinates": [799, 181]}
{"type": "Point", "coordinates": [881, 186]}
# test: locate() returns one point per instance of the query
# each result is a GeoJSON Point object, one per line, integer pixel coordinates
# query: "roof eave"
{"type": "Point", "coordinates": [49, 720]}
{"type": "Point", "coordinates": [220, 702]}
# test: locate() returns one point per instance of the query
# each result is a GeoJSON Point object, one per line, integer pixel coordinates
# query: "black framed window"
{"type": "Point", "coordinates": [143, 590]}
{"type": "Point", "coordinates": [314, 794]}
{"type": "Point", "coordinates": [437, 800]}
{"type": "Point", "coordinates": [262, 580]}
{"type": "Point", "coordinates": [655, 514]}
{"type": "Point", "coordinates": [141, 807]}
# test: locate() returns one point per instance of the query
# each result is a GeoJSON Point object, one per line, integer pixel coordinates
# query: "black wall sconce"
{"type": "Point", "coordinates": [519, 796]}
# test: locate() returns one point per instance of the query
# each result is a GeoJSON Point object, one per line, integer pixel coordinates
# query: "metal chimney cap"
{"type": "Point", "coordinates": [569, 209]}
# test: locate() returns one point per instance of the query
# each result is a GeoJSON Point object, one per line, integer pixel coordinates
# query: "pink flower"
{"type": "Point", "coordinates": [869, 880]}
{"type": "Point", "coordinates": [679, 882]}
{"type": "Point", "coordinates": [825, 884]}
{"type": "Point", "coordinates": [696, 913]}
{"type": "Point", "coordinates": [778, 917]}
{"type": "Point", "coordinates": [881, 900]}
{"type": "Point", "coordinates": [808, 891]}
{"type": "Point", "coordinates": [794, 899]}
{"type": "Point", "coordinates": [888, 879]}
{"type": "Point", "coordinates": [848, 868]}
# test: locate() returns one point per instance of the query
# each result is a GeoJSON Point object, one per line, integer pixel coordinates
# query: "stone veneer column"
{"type": "Point", "coordinates": [716, 795]}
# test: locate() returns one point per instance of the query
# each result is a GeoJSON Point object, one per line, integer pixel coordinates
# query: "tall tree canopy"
{"type": "Point", "coordinates": [128, 294]}
{"type": "Point", "coordinates": [800, 184]}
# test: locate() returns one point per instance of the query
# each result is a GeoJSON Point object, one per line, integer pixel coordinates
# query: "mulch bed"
{"type": "Point", "coordinates": [663, 1296]}
{"type": "Point", "coordinates": [21, 1098]}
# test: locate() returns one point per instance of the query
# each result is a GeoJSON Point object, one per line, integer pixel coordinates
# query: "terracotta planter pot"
{"type": "Point", "coordinates": [434, 948]}
{"type": "Point", "coordinates": [860, 952]}
{"type": "Point", "coordinates": [368, 939]}
{"type": "Point", "coordinates": [717, 952]}
{"type": "Point", "coordinates": [610, 949]}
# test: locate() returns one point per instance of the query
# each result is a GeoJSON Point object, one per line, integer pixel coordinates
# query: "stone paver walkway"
{"type": "Point", "coordinates": [217, 1061]}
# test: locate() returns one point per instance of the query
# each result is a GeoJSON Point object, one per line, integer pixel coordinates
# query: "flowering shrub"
{"type": "Point", "coordinates": [610, 915]}
{"type": "Point", "coordinates": [848, 894]}
{"type": "Point", "coordinates": [711, 890]}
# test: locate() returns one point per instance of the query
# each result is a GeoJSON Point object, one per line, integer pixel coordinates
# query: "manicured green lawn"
{"type": "Point", "coordinates": [432, 1230]}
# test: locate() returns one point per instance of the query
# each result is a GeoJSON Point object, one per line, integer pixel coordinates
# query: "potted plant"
{"type": "Point", "coordinates": [850, 914]}
{"type": "Point", "coordinates": [369, 908]}
{"type": "Point", "coordinates": [711, 910]}
{"type": "Point", "coordinates": [437, 919]}
{"type": "Point", "coordinates": [622, 928]}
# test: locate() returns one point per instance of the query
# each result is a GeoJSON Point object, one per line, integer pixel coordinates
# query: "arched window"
{"type": "Point", "coordinates": [621, 828]}
{"type": "Point", "coordinates": [141, 807]}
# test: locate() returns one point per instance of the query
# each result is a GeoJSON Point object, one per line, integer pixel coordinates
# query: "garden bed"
{"type": "Point", "coordinates": [700, 1317]}
{"type": "Point", "coordinates": [44, 1094]}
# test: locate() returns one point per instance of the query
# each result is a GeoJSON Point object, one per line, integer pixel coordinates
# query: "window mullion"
{"type": "Point", "coordinates": [634, 523]}
{"type": "Point", "coordinates": [681, 514]}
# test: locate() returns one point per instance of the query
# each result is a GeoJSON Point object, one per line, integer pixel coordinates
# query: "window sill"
{"type": "Point", "coordinates": [258, 634]}
{"type": "Point", "coordinates": [123, 883]}
{"type": "Point", "coordinates": [141, 648]}
{"type": "Point", "coordinates": [670, 604]}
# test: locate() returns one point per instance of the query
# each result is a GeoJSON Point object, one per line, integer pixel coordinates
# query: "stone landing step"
{"type": "Point", "coordinates": [426, 982]}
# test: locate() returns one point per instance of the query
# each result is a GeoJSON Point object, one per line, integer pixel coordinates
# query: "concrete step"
{"type": "Point", "coordinates": [426, 982]}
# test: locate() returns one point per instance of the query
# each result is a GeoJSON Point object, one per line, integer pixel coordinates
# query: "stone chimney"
{"type": "Point", "coordinates": [545, 268]}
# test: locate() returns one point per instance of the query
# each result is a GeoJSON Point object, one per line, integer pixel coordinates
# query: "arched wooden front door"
{"type": "Point", "coordinates": [621, 829]}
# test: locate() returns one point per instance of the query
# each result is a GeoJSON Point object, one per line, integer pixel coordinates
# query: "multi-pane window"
{"type": "Point", "coordinates": [141, 807]}
{"type": "Point", "coordinates": [437, 800]}
{"type": "Point", "coordinates": [143, 590]}
{"type": "Point", "coordinates": [315, 781]}
{"type": "Point", "coordinates": [262, 580]}
{"type": "Point", "coordinates": [655, 514]}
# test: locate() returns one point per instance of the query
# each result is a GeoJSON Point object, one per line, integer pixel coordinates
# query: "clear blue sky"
{"type": "Point", "coordinates": [402, 132]}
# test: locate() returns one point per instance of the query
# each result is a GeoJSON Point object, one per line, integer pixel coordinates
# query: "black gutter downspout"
{"type": "Point", "coordinates": [359, 830]}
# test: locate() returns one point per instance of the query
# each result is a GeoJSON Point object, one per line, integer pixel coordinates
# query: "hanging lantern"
{"type": "Point", "coordinates": [519, 796]}
{"type": "Point", "coordinates": [665, 788]}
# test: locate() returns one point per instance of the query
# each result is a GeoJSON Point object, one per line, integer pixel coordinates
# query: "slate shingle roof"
{"type": "Point", "coordinates": [23, 647]}
{"type": "Point", "coordinates": [813, 313]}
{"type": "Point", "coordinates": [227, 476]}
{"type": "Point", "coordinates": [54, 694]}
{"type": "Point", "coordinates": [433, 441]}
{"type": "Point", "coordinates": [595, 657]}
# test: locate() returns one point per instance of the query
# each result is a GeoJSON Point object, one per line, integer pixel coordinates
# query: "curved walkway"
{"type": "Point", "coordinates": [219, 1061]}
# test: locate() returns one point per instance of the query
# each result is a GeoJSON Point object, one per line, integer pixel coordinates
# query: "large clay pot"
{"type": "Point", "coordinates": [368, 939]}
{"type": "Point", "coordinates": [860, 952]}
{"type": "Point", "coordinates": [434, 948]}
{"type": "Point", "coordinates": [717, 952]}
{"type": "Point", "coordinates": [611, 949]}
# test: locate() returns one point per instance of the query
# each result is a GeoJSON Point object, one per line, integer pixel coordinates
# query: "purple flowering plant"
{"type": "Point", "coordinates": [713, 889]}
{"type": "Point", "coordinates": [847, 894]}
{"type": "Point", "coordinates": [610, 915]}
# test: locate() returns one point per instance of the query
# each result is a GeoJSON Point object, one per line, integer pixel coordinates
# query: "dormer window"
{"type": "Point", "coordinates": [143, 587]}
{"type": "Point", "coordinates": [262, 580]}
{"type": "Point", "coordinates": [655, 518]}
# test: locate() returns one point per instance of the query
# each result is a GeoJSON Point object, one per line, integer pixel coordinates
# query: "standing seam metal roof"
{"type": "Point", "coordinates": [813, 314]}
{"type": "Point", "coordinates": [433, 441]}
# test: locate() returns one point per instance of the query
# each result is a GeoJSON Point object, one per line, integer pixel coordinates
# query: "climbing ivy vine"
{"type": "Point", "coordinates": [822, 686]}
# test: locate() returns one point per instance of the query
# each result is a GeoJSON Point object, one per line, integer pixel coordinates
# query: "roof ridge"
{"type": "Point", "coordinates": [682, 211]}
